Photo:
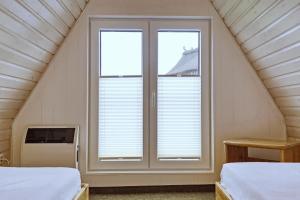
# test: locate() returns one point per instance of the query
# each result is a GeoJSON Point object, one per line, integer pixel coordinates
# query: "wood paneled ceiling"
{"type": "Point", "coordinates": [268, 32]}
{"type": "Point", "coordinates": [30, 33]}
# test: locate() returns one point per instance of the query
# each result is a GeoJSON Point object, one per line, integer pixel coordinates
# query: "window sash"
{"type": "Point", "coordinates": [107, 163]}
{"type": "Point", "coordinates": [177, 162]}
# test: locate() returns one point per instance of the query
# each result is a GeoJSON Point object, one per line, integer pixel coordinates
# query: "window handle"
{"type": "Point", "coordinates": [153, 99]}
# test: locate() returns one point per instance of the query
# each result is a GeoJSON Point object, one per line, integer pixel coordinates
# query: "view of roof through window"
{"type": "Point", "coordinates": [178, 53]}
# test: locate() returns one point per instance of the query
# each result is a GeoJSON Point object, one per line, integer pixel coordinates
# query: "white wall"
{"type": "Point", "coordinates": [243, 107]}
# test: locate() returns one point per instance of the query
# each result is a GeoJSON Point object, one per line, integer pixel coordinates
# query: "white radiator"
{"type": "Point", "coordinates": [50, 146]}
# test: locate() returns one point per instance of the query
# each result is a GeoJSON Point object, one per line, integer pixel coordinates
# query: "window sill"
{"type": "Point", "coordinates": [186, 171]}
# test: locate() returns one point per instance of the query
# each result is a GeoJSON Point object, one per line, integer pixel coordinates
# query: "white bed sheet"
{"type": "Point", "coordinates": [261, 181]}
{"type": "Point", "coordinates": [39, 183]}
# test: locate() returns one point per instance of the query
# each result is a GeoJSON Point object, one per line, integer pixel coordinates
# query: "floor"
{"type": "Point", "coordinates": [155, 196]}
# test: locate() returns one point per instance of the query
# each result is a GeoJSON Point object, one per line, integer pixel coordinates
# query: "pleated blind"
{"type": "Point", "coordinates": [120, 118]}
{"type": "Point", "coordinates": [179, 117]}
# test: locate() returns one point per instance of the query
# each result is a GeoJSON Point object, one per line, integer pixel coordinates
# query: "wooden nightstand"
{"type": "Point", "coordinates": [237, 149]}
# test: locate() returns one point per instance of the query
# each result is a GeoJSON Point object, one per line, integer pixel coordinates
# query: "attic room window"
{"type": "Point", "coordinates": [149, 95]}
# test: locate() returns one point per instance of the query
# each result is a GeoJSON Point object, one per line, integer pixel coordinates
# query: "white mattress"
{"type": "Point", "coordinates": [39, 183]}
{"type": "Point", "coordinates": [261, 181]}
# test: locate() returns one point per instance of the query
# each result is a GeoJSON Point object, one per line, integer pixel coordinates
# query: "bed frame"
{"type": "Point", "coordinates": [83, 193]}
{"type": "Point", "coordinates": [221, 193]}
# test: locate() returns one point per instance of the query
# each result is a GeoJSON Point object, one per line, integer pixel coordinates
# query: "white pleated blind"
{"type": "Point", "coordinates": [179, 117]}
{"type": "Point", "coordinates": [120, 118]}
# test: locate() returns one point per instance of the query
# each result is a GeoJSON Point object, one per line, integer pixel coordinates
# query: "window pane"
{"type": "Point", "coordinates": [120, 118]}
{"type": "Point", "coordinates": [178, 53]}
{"type": "Point", "coordinates": [178, 98]}
{"type": "Point", "coordinates": [179, 117]}
{"type": "Point", "coordinates": [121, 53]}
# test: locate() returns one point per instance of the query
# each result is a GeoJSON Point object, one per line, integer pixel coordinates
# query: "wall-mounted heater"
{"type": "Point", "coordinates": [50, 146]}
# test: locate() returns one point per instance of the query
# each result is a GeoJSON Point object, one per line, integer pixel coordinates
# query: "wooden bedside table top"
{"type": "Point", "coordinates": [262, 143]}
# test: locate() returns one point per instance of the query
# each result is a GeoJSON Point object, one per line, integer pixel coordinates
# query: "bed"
{"type": "Point", "coordinates": [259, 181]}
{"type": "Point", "coordinates": [42, 183]}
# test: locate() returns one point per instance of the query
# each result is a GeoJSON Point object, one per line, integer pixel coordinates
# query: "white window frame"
{"type": "Point", "coordinates": [182, 25]}
{"type": "Point", "coordinates": [150, 163]}
{"type": "Point", "coordinates": [125, 25]}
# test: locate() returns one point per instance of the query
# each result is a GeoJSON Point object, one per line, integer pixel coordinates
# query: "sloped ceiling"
{"type": "Point", "coordinates": [30, 33]}
{"type": "Point", "coordinates": [268, 31]}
